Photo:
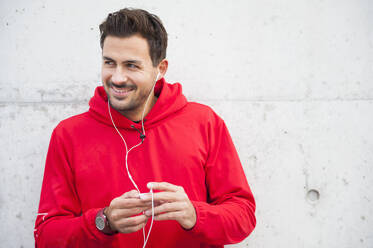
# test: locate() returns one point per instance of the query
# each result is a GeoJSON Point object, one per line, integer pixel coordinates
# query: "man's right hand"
{"type": "Point", "coordinates": [123, 212]}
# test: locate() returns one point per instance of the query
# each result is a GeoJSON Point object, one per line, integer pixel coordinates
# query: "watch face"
{"type": "Point", "coordinates": [100, 223]}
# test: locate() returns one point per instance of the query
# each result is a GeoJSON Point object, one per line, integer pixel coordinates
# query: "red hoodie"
{"type": "Point", "coordinates": [186, 144]}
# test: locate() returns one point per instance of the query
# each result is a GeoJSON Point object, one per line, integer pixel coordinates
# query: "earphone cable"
{"type": "Point", "coordinates": [126, 158]}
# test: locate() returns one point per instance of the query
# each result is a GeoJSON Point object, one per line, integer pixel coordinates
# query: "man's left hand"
{"type": "Point", "coordinates": [173, 204]}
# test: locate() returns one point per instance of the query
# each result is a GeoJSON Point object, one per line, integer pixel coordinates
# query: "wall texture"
{"type": "Point", "coordinates": [292, 79]}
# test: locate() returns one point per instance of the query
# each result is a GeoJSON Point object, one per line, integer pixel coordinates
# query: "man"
{"type": "Point", "coordinates": [141, 135]}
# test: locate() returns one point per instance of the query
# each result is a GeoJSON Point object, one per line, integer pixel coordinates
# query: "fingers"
{"type": "Point", "coordinates": [165, 197]}
{"type": "Point", "coordinates": [169, 192]}
{"type": "Point", "coordinates": [132, 229]}
{"type": "Point", "coordinates": [118, 214]}
{"type": "Point", "coordinates": [164, 186]}
{"type": "Point", "coordinates": [167, 211]}
{"type": "Point", "coordinates": [174, 204]}
{"type": "Point", "coordinates": [132, 224]}
{"type": "Point", "coordinates": [129, 199]}
{"type": "Point", "coordinates": [124, 203]}
{"type": "Point", "coordinates": [167, 207]}
{"type": "Point", "coordinates": [122, 213]}
{"type": "Point", "coordinates": [169, 216]}
{"type": "Point", "coordinates": [184, 219]}
{"type": "Point", "coordinates": [131, 194]}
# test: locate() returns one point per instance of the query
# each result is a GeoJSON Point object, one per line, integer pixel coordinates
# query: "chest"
{"type": "Point", "coordinates": [171, 153]}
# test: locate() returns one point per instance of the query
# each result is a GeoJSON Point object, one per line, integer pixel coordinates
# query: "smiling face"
{"type": "Point", "coordinates": [128, 74]}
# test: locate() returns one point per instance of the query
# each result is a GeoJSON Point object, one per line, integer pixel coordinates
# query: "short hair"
{"type": "Point", "coordinates": [128, 21]}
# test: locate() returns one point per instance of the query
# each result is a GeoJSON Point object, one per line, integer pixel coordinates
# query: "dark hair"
{"type": "Point", "coordinates": [127, 22]}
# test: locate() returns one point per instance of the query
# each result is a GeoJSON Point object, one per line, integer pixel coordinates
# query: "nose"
{"type": "Point", "coordinates": [119, 76]}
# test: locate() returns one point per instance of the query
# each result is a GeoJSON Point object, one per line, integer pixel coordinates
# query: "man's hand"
{"type": "Point", "coordinates": [173, 204]}
{"type": "Point", "coordinates": [121, 210]}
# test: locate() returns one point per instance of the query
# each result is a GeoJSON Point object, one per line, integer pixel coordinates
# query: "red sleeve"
{"type": "Point", "coordinates": [229, 215]}
{"type": "Point", "coordinates": [60, 221]}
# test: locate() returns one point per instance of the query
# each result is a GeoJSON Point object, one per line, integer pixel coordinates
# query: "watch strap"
{"type": "Point", "coordinates": [102, 217]}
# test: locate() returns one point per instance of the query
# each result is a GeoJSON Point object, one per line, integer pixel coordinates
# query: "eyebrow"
{"type": "Point", "coordinates": [133, 61]}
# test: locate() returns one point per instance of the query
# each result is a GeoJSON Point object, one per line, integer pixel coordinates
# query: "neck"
{"type": "Point", "coordinates": [137, 114]}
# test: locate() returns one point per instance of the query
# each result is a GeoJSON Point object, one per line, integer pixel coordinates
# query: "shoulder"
{"type": "Point", "coordinates": [203, 112]}
{"type": "Point", "coordinates": [73, 124]}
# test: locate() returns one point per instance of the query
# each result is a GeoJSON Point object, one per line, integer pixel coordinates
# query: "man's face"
{"type": "Point", "coordinates": [127, 73]}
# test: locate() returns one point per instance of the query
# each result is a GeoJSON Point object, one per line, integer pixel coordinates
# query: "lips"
{"type": "Point", "coordinates": [120, 91]}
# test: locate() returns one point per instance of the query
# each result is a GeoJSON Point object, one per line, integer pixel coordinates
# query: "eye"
{"type": "Point", "coordinates": [132, 66]}
{"type": "Point", "coordinates": [108, 62]}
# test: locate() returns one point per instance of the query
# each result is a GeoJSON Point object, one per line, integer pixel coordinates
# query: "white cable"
{"type": "Point", "coordinates": [151, 223]}
{"type": "Point", "coordinates": [44, 214]}
{"type": "Point", "coordinates": [127, 151]}
{"type": "Point", "coordinates": [126, 159]}
{"type": "Point", "coordinates": [143, 112]}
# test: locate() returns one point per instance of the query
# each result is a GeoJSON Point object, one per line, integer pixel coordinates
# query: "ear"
{"type": "Point", "coordinates": [162, 68]}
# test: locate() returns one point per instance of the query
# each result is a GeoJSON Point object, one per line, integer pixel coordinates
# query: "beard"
{"type": "Point", "coordinates": [133, 102]}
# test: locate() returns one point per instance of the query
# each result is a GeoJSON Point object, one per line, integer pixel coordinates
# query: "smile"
{"type": "Point", "coordinates": [119, 91]}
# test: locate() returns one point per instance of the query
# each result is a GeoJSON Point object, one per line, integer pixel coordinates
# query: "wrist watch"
{"type": "Point", "coordinates": [102, 223]}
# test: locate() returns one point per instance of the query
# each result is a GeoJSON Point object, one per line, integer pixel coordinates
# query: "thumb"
{"type": "Point", "coordinates": [131, 194]}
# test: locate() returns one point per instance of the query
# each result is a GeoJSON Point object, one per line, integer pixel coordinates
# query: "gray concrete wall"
{"type": "Point", "coordinates": [292, 79]}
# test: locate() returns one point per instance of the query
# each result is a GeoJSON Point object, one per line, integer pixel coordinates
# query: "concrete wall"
{"type": "Point", "coordinates": [292, 79]}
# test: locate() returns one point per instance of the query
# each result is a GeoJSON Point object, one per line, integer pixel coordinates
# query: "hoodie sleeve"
{"type": "Point", "coordinates": [60, 221]}
{"type": "Point", "coordinates": [229, 214]}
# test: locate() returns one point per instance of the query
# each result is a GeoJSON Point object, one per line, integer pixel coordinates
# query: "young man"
{"type": "Point", "coordinates": [141, 135]}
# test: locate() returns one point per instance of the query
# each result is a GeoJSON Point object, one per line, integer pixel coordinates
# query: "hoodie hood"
{"type": "Point", "coordinates": [170, 100]}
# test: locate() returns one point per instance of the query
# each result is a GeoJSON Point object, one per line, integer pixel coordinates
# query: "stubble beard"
{"type": "Point", "coordinates": [132, 103]}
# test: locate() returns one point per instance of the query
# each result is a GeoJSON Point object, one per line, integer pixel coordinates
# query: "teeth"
{"type": "Point", "coordinates": [120, 91]}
